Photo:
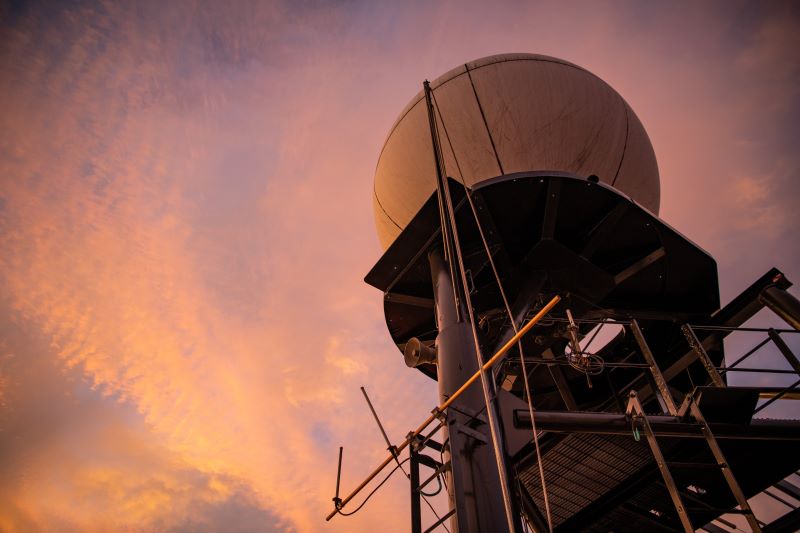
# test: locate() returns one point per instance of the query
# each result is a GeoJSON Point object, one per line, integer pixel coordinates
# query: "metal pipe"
{"type": "Point", "coordinates": [561, 362]}
{"type": "Point", "coordinates": [595, 321]}
{"type": "Point", "coordinates": [502, 351]}
{"type": "Point", "coordinates": [486, 383]}
{"type": "Point", "coordinates": [600, 423]}
{"type": "Point", "coordinates": [478, 487]}
{"type": "Point", "coordinates": [700, 327]}
{"type": "Point", "coordinates": [765, 393]}
{"type": "Point", "coordinates": [511, 318]}
{"type": "Point", "coordinates": [782, 304]}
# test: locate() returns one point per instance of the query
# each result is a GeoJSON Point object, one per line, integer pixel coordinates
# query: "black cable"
{"type": "Point", "coordinates": [357, 509]}
{"type": "Point", "coordinates": [441, 460]}
{"type": "Point", "coordinates": [434, 512]}
{"type": "Point", "coordinates": [438, 480]}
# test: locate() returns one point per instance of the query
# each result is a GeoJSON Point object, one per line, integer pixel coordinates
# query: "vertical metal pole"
{"type": "Point", "coordinates": [441, 187]}
{"type": "Point", "coordinates": [511, 317]}
{"type": "Point", "coordinates": [475, 486]}
{"type": "Point", "coordinates": [635, 408]}
{"type": "Point", "coordinates": [661, 383]}
{"type": "Point", "coordinates": [487, 383]}
{"type": "Point", "coordinates": [450, 229]}
{"type": "Point", "coordinates": [700, 352]}
{"type": "Point", "coordinates": [416, 510]}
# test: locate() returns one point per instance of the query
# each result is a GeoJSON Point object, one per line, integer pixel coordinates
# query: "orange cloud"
{"type": "Point", "coordinates": [185, 219]}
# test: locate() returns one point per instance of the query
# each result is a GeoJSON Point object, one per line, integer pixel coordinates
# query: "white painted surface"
{"type": "Point", "coordinates": [542, 113]}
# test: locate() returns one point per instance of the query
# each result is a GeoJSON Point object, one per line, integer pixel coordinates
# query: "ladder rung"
{"type": "Point", "coordinates": [695, 466]}
{"type": "Point", "coordinates": [718, 510]}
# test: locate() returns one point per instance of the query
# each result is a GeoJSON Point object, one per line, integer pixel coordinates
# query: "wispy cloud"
{"type": "Point", "coordinates": [185, 219]}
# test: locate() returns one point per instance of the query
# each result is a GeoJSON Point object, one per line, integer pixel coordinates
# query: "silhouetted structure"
{"type": "Point", "coordinates": [521, 190]}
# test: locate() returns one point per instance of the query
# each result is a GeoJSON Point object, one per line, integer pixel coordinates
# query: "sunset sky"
{"type": "Point", "coordinates": [186, 219]}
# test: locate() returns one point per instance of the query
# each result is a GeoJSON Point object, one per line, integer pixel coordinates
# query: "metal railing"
{"type": "Point", "coordinates": [773, 335]}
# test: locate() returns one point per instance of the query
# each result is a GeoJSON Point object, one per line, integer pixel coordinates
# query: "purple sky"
{"type": "Point", "coordinates": [185, 221]}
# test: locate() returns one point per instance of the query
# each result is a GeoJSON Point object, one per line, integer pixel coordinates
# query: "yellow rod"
{"type": "Point", "coordinates": [500, 353]}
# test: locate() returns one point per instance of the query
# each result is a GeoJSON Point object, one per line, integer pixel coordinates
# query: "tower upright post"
{"type": "Point", "coordinates": [474, 484]}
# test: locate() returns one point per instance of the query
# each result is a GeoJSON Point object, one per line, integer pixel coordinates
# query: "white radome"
{"type": "Point", "coordinates": [543, 114]}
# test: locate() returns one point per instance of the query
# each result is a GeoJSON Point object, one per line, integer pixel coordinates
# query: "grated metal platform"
{"type": "Point", "coordinates": [610, 483]}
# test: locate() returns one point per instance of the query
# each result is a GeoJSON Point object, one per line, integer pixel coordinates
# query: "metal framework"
{"type": "Point", "coordinates": [689, 422]}
{"type": "Point", "coordinates": [611, 262]}
{"type": "Point", "coordinates": [685, 422]}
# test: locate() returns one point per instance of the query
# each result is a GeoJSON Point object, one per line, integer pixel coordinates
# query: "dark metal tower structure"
{"type": "Point", "coordinates": [497, 289]}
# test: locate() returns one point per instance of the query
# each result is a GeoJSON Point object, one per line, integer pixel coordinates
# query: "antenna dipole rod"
{"type": "Point", "coordinates": [502, 351]}
{"type": "Point", "coordinates": [336, 500]}
{"type": "Point", "coordinates": [392, 449]}
{"type": "Point", "coordinates": [377, 420]}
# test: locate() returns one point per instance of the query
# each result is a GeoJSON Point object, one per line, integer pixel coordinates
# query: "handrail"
{"type": "Point", "coordinates": [739, 328]}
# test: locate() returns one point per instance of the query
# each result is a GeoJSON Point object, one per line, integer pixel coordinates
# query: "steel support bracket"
{"type": "Point", "coordinates": [469, 432]}
{"type": "Point", "coordinates": [414, 442]}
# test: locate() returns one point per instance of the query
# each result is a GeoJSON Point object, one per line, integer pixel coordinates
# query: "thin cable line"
{"type": "Point", "coordinates": [485, 123]}
{"type": "Point", "coordinates": [390, 474]}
